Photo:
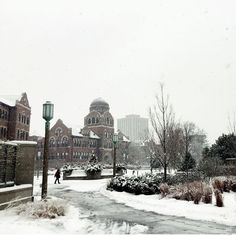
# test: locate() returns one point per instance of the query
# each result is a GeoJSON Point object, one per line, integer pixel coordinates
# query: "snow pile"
{"type": "Point", "coordinates": [86, 185]}
{"type": "Point", "coordinates": [22, 219]}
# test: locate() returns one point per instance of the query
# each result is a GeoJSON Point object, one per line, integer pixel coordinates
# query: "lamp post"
{"type": "Point", "coordinates": [115, 140]}
{"type": "Point", "coordinates": [48, 108]}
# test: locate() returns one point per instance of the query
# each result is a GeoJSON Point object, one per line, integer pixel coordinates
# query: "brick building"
{"type": "Point", "coordinates": [65, 145]}
{"type": "Point", "coordinates": [14, 118]}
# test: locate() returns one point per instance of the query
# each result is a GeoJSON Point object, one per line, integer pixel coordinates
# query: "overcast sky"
{"type": "Point", "coordinates": [71, 52]}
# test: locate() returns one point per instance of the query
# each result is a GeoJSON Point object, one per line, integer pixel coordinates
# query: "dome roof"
{"type": "Point", "coordinates": [99, 101]}
{"type": "Point", "coordinates": [100, 105]}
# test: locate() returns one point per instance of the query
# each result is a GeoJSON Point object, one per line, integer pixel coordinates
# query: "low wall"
{"type": "Point", "coordinates": [24, 176]}
{"type": "Point", "coordinates": [106, 173]}
{"type": "Point", "coordinates": [15, 195]}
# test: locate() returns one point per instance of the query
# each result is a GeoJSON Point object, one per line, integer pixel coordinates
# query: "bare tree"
{"type": "Point", "coordinates": [163, 124]}
{"type": "Point", "coordinates": [188, 133]}
{"type": "Point", "coordinates": [232, 124]}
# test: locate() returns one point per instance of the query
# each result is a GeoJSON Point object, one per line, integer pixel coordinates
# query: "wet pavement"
{"type": "Point", "coordinates": [126, 220]}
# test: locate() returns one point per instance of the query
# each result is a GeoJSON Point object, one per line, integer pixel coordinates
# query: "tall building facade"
{"type": "Point", "coordinates": [133, 126]}
{"type": "Point", "coordinates": [15, 118]}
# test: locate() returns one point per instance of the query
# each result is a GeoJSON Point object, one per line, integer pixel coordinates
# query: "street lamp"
{"type": "Point", "coordinates": [48, 109]}
{"type": "Point", "coordinates": [115, 140]}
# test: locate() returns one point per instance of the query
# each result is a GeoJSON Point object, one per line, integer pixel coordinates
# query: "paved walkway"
{"type": "Point", "coordinates": [99, 208]}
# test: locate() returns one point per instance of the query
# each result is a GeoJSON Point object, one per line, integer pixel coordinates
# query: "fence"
{"type": "Point", "coordinates": [8, 152]}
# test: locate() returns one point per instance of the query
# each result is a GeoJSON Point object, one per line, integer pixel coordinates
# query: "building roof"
{"type": "Point", "coordinates": [99, 105]}
{"type": "Point", "coordinates": [93, 135]}
{"type": "Point", "coordinates": [126, 139]}
{"type": "Point", "coordinates": [10, 100]}
{"type": "Point", "coordinates": [99, 101]}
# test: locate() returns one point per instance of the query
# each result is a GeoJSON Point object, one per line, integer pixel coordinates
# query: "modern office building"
{"type": "Point", "coordinates": [134, 127]}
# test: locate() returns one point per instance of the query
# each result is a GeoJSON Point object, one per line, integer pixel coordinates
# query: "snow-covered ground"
{"type": "Point", "coordinates": [76, 222]}
{"type": "Point", "coordinates": [166, 206]}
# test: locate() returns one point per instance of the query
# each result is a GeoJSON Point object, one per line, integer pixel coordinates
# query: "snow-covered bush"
{"type": "Point", "coordinates": [93, 168]}
{"type": "Point", "coordinates": [51, 208]}
{"type": "Point", "coordinates": [138, 185]}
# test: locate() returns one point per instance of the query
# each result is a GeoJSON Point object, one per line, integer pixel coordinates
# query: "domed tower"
{"type": "Point", "coordinates": [101, 122]}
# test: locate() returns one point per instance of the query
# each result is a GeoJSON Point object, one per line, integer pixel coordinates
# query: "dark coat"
{"type": "Point", "coordinates": [58, 174]}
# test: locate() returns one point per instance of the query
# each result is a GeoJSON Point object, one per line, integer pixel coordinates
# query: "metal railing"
{"type": "Point", "coordinates": [8, 152]}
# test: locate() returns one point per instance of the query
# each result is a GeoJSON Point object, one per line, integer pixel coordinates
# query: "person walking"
{"type": "Point", "coordinates": [57, 176]}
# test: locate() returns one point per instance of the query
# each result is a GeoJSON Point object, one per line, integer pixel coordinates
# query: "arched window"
{"type": "Point", "coordinates": [97, 120]}
{"type": "Point", "coordinates": [107, 120]}
{"type": "Point", "coordinates": [89, 121]}
{"type": "Point", "coordinates": [93, 120]}
{"type": "Point", "coordinates": [65, 141]}
{"type": "Point", "coordinates": [52, 142]}
{"type": "Point", "coordinates": [58, 131]}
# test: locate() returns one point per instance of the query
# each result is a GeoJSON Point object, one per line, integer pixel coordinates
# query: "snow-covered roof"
{"type": "Point", "coordinates": [8, 143]}
{"type": "Point", "coordinates": [24, 142]}
{"type": "Point", "coordinates": [76, 129]}
{"type": "Point", "coordinates": [77, 134]}
{"type": "Point", "coordinates": [126, 139]}
{"type": "Point", "coordinates": [93, 135]}
{"type": "Point", "coordinates": [10, 100]}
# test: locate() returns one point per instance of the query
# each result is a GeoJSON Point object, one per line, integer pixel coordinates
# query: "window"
{"type": "Point", "coordinates": [64, 141]}
{"type": "Point", "coordinates": [52, 142]}
{"type": "Point", "coordinates": [93, 120]}
{"type": "Point", "coordinates": [89, 121]}
{"type": "Point", "coordinates": [27, 122]}
{"type": "Point", "coordinates": [6, 115]}
{"type": "Point", "coordinates": [19, 117]}
{"type": "Point", "coordinates": [97, 120]}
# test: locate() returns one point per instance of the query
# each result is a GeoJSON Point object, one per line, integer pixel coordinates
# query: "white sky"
{"type": "Point", "coordinates": [71, 52]}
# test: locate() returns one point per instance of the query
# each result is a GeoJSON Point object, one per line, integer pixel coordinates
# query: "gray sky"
{"type": "Point", "coordinates": [71, 52]}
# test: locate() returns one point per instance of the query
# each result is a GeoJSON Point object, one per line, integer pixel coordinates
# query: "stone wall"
{"type": "Point", "coordinates": [24, 176]}
{"type": "Point", "coordinates": [25, 162]}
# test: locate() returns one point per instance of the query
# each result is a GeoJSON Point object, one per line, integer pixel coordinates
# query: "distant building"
{"type": "Point", "coordinates": [94, 138]}
{"type": "Point", "coordinates": [133, 126]}
{"type": "Point", "coordinates": [15, 115]}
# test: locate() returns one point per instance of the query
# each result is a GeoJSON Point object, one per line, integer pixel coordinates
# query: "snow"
{"type": "Point", "coordinates": [8, 143]}
{"type": "Point", "coordinates": [24, 142]}
{"type": "Point", "coordinates": [93, 135]}
{"type": "Point", "coordinates": [76, 221]}
{"type": "Point", "coordinates": [16, 187]}
{"type": "Point", "coordinates": [169, 206]}
{"type": "Point", "coordinates": [126, 139]}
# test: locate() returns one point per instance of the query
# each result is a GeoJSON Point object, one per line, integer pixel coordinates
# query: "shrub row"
{"type": "Point", "coordinates": [195, 191]}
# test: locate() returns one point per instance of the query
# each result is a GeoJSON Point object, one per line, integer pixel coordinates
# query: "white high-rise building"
{"type": "Point", "coordinates": [133, 126]}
